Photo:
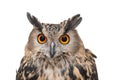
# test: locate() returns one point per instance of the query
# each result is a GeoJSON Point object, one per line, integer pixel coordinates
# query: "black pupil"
{"type": "Point", "coordinates": [64, 39]}
{"type": "Point", "coordinates": [42, 38]}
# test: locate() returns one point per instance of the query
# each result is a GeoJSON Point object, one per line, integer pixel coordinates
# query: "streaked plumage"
{"type": "Point", "coordinates": [53, 59]}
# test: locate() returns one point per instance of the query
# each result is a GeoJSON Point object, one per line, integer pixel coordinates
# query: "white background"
{"type": "Point", "coordinates": [99, 30]}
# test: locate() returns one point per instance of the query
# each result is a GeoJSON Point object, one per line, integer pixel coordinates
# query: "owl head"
{"type": "Point", "coordinates": [53, 40]}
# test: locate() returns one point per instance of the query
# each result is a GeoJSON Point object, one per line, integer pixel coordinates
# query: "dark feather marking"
{"type": "Point", "coordinates": [63, 71]}
{"type": "Point", "coordinates": [21, 69]}
{"type": "Point", "coordinates": [34, 21]}
{"type": "Point", "coordinates": [46, 66]}
{"type": "Point", "coordinates": [27, 70]}
{"type": "Point", "coordinates": [72, 23]}
{"type": "Point", "coordinates": [72, 76]}
{"type": "Point", "coordinates": [35, 77]}
{"type": "Point", "coordinates": [67, 26]}
{"type": "Point", "coordinates": [22, 60]}
{"type": "Point", "coordinates": [88, 51]}
{"type": "Point", "coordinates": [94, 75]}
{"type": "Point", "coordinates": [47, 78]}
{"type": "Point", "coordinates": [82, 72]}
{"type": "Point", "coordinates": [41, 72]}
{"type": "Point", "coordinates": [19, 74]}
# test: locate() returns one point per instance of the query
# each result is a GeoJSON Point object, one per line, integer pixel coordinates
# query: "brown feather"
{"type": "Point", "coordinates": [70, 62]}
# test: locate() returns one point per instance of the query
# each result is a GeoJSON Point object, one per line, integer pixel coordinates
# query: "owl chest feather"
{"type": "Point", "coordinates": [64, 73]}
{"type": "Point", "coordinates": [53, 69]}
{"type": "Point", "coordinates": [44, 69]}
{"type": "Point", "coordinates": [64, 67]}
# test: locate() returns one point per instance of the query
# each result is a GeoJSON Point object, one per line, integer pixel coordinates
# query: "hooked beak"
{"type": "Point", "coordinates": [52, 49]}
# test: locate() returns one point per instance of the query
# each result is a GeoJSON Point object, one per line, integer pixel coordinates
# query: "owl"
{"type": "Point", "coordinates": [56, 52]}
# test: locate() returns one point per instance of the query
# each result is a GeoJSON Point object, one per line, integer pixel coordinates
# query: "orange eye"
{"type": "Point", "coordinates": [41, 39]}
{"type": "Point", "coordinates": [64, 39]}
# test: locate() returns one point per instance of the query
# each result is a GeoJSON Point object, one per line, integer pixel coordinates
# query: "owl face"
{"type": "Point", "coordinates": [53, 40]}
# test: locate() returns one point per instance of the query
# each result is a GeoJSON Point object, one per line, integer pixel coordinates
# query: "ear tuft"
{"type": "Point", "coordinates": [73, 22]}
{"type": "Point", "coordinates": [34, 21]}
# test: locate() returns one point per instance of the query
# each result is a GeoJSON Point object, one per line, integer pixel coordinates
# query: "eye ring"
{"type": "Point", "coordinates": [41, 39]}
{"type": "Point", "coordinates": [64, 39]}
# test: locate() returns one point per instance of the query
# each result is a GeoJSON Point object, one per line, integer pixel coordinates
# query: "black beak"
{"type": "Point", "coordinates": [52, 49]}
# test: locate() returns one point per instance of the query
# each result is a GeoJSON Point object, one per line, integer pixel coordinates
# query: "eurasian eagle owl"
{"type": "Point", "coordinates": [56, 52]}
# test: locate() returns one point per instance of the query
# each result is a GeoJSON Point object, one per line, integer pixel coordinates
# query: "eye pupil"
{"type": "Point", "coordinates": [64, 39]}
{"type": "Point", "coordinates": [42, 38]}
